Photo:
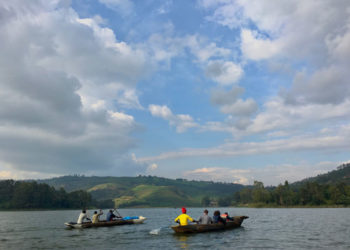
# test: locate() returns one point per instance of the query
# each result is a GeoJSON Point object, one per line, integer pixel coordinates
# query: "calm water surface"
{"type": "Point", "coordinates": [297, 228]}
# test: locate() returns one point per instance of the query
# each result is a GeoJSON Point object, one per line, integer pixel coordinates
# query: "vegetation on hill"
{"type": "Point", "coordinates": [328, 189]}
{"type": "Point", "coordinates": [145, 191]}
{"type": "Point", "coordinates": [305, 194]}
{"type": "Point", "coordinates": [33, 195]}
{"type": "Point", "coordinates": [341, 174]}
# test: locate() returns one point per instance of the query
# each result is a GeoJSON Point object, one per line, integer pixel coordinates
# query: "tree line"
{"type": "Point", "coordinates": [33, 195]}
{"type": "Point", "coordinates": [304, 194]}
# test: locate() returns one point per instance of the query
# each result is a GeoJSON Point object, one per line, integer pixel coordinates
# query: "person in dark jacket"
{"type": "Point", "coordinates": [217, 218]}
{"type": "Point", "coordinates": [111, 216]}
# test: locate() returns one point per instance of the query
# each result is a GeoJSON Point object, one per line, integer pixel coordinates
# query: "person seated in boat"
{"type": "Point", "coordinates": [205, 218]}
{"type": "Point", "coordinates": [217, 218]}
{"type": "Point", "coordinates": [96, 216]}
{"type": "Point", "coordinates": [82, 217]}
{"type": "Point", "coordinates": [184, 218]}
{"type": "Point", "coordinates": [110, 215]}
{"type": "Point", "coordinates": [227, 217]}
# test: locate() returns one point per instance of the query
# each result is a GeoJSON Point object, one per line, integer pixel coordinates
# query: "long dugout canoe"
{"type": "Point", "coordinates": [117, 222]}
{"type": "Point", "coordinates": [201, 228]}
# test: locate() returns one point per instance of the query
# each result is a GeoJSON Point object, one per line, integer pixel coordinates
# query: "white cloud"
{"type": "Point", "coordinates": [325, 86]}
{"type": "Point", "coordinates": [279, 116]}
{"type": "Point", "coordinates": [203, 50]}
{"type": "Point", "coordinates": [60, 76]}
{"type": "Point", "coordinates": [224, 72]}
{"type": "Point", "coordinates": [289, 31]}
{"type": "Point", "coordinates": [208, 55]}
{"type": "Point", "coordinates": [258, 48]}
{"type": "Point", "coordinates": [182, 122]}
{"type": "Point", "coordinates": [223, 97]}
{"type": "Point", "coordinates": [152, 167]}
{"type": "Point", "coordinates": [240, 107]}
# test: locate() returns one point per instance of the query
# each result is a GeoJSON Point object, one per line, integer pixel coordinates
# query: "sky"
{"type": "Point", "coordinates": [225, 90]}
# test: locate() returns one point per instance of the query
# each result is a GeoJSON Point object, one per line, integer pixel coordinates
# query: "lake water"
{"type": "Point", "coordinates": [294, 228]}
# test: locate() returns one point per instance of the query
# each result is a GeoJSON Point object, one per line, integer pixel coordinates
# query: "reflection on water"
{"type": "Point", "coordinates": [265, 228]}
{"type": "Point", "coordinates": [183, 241]}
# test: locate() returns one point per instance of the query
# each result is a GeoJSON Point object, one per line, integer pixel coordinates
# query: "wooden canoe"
{"type": "Point", "coordinates": [201, 228]}
{"type": "Point", "coordinates": [117, 222]}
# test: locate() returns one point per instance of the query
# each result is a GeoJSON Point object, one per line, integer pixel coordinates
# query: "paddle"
{"type": "Point", "coordinates": [157, 230]}
{"type": "Point", "coordinates": [118, 213]}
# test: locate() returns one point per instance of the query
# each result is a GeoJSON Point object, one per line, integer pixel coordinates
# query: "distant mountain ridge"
{"type": "Point", "coordinates": [145, 191]}
{"type": "Point", "coordinates": [341, 174]}
{"type": "Point", "coordinates": [151, 191]}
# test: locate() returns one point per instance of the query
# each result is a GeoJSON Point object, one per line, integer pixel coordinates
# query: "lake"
{"type": "Point", "coordinates": [269, 228]}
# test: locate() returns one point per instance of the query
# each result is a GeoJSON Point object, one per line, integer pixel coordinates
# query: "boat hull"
{"type": "Point", "coordinates": [117, 222]}
{"type": "Point", "coordinates": [201, 228]}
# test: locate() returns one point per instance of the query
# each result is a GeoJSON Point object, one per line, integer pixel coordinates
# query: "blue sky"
{"type": "Point", "coordinates": [224, 90]}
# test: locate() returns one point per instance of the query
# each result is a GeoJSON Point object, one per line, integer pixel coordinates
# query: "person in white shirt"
{"type": "Point", "coordinates": [82, 216]}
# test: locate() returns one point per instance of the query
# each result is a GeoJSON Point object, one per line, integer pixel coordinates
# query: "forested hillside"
{"type": "Point", "coordinates": [145, 190]}
{"type": "Point", "coordinates": [332, 188]}
{"type": "Point", "coordinates": [341, 174]}
{"type": "Point", "coordinates": [31, 195]}
{"type": "Point", "coordinates": [76, 191]}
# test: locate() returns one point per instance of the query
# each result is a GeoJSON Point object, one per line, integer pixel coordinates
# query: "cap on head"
{"type": "Point", "coordinates": [183, 210]}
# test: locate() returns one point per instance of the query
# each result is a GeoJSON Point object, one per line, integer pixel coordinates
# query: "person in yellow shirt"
{"type": "Point", "coordinates": [183, 218]}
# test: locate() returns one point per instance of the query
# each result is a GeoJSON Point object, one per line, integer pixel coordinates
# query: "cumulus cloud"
{"type": "Point", "coordinates": [256, 48]}
{"type": "Point", "coordinates": [214, 60]}
{"type": "Point", "coordinates": [326, 86]}
{"type": "Point", "coordinates": [223, 72]}
{"type": "Point", "coordinates": [276, 115]}
{"type": "Point", "coordinates": [240, 107]}
{"type": "Point", "coordinates": [223, 97]}
{"type": "Point", "coordinates": [152, 167]}
{"type": "Point", "coordinates": [291, 29]}
{"type": "Point", "coordinates": [182, 122]}
{"type": "Point", "coordinates": [239, 110]}
{"type": "Point", "coordinates": [203, 50]}
{"type": "Point", "coordinates": [289, 33]}
{"type": "Point", "coordinates": [55, 70]}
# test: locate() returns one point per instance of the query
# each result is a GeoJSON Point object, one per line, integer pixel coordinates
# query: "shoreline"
{"type": "Point", "coordinates": [238, 206]}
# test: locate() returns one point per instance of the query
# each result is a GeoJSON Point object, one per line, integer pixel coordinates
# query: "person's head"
{"type": "Point", "coordinates": [110, 210]}
{"type": "Point", "coordinates": [95, 212]}
{"type": "Point", "coordinates": [226, 213]}
{"type": "Point", "coordinates": [205, 211]}
{"type": "Point", "coordinates": [217, 213]}
{"type": "Point", "coordinates": [184, 210]}
{"type": "Point", "coordinates": [84, 211]}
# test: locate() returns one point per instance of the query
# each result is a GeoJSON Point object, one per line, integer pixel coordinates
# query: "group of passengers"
{"type": "Point", "coordinates": [96, 217]}
{"type": "Point", "coordinates": [204, 218]}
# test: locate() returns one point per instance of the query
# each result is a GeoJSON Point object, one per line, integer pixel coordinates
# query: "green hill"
{"type": "Point", "coordinates": [145, 191]}
{"type": "Point", "coordinates": [341, 174]}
